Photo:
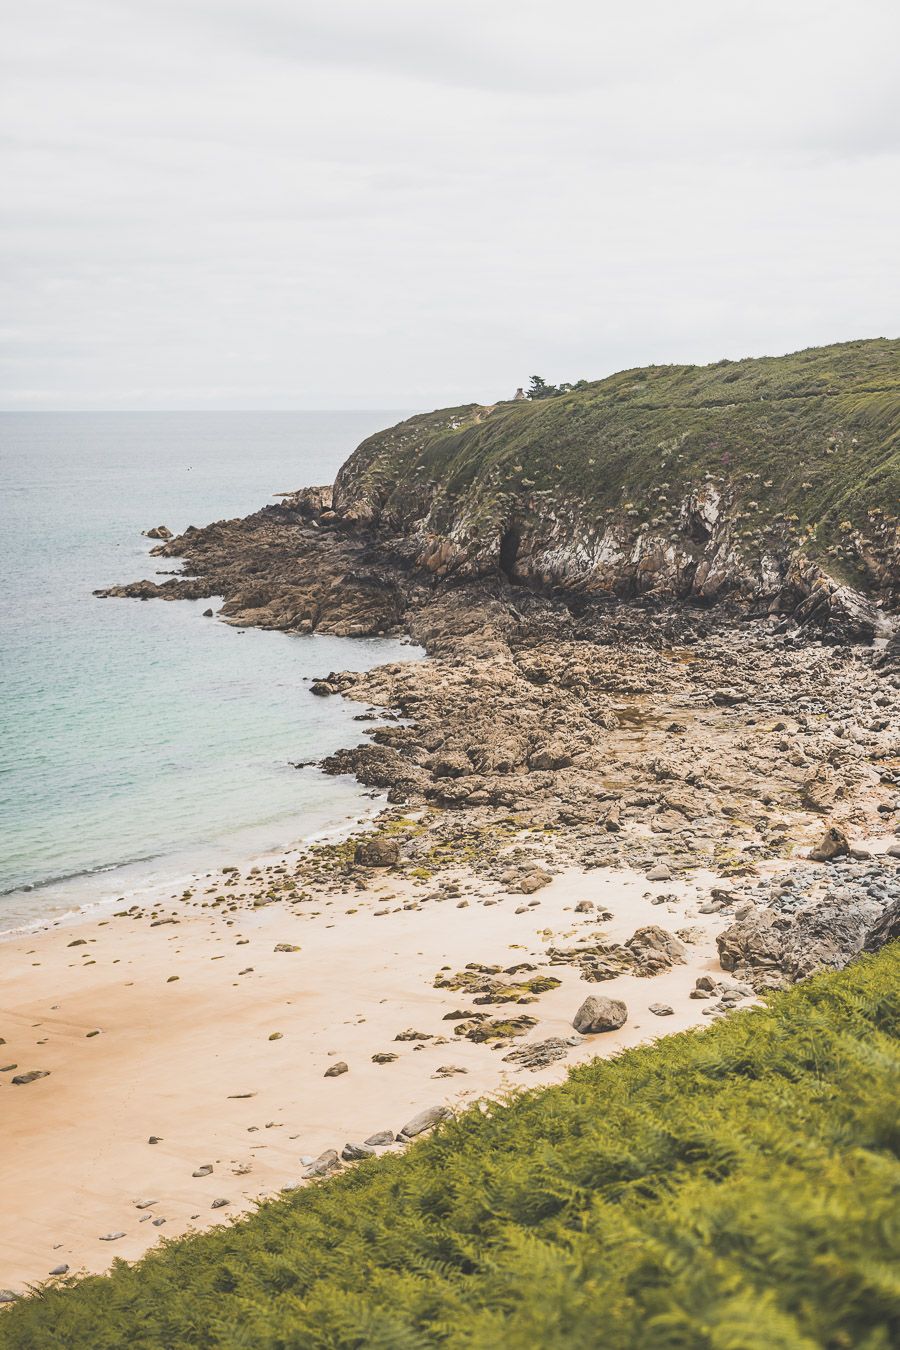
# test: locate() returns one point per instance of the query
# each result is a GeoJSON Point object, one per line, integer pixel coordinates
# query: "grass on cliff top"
{"type": "Point", "coordinates": [734, 1188]}
{"type": "Point", "coordinates": [814, 435]}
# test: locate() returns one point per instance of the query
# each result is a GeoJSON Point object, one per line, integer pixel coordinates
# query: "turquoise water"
{"type": "Point", "coordinates": [140, 739]}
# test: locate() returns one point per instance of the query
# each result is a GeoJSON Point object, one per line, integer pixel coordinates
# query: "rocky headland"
{"type": "Point", "coordinates": [660, 615]}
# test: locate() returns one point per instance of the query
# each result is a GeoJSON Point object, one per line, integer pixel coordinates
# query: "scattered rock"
{"type": "Point", "coordinates": [380, 1138]}
{"type": "Point", "coordinates": [661, 1009]}
{"type": "Point", "coordinates": [377, 852]}
{"type": "Point", "coordinates": [425, 1120]}
{"type": "Point", "coordinates": [539, 1054]}
{"type": "Point", "coordinates": [32, 1076]}
{"type": "Point", "coordinates": [325, 1163]}
{"type": "Point", "coordinates": [600, 1014]}
{"type": "Point", "coordinates": [833, 844]}
{"type": "Point", "coordinates": [356, 1152]}
{"type": "Point", "coordinates": [534, 881]}
{"type": "Point", "coordinates": [335, 1070]}
{"type": "Point", "coordinates": [655, 950]}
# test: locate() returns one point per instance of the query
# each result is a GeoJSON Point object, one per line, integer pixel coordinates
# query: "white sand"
{"type": "Point", "coordinates": [172, 1055]}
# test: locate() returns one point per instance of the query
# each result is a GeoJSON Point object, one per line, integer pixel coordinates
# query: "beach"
{"type": "Point", "coordinates": [210, 1029]}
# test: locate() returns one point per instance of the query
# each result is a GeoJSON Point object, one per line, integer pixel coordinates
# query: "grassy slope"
{"type": "Point", "coordinates": [735, 1188]}
{"type": "Point", "coordinates": [789, 422]}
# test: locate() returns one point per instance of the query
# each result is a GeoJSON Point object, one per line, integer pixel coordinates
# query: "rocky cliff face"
{"type": "Point", "coordinates": [772, 485]}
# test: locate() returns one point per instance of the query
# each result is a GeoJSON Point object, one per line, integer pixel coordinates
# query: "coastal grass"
{"type": "Point", "coordinates": [734, 1188]}
{"type": "Point", "coordinates": [807, 447]}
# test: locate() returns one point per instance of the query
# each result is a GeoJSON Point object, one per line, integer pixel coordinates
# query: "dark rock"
{"type": "Point", "coordinates": [380, 1138]}
{"type": "Point", "coordinates": [886, 929]}
{"type": "Point", "coordinates": [377, 852]}
{"type": "Point", "coordinates": [335, 1070]}
{"type": "Point", "coordinates": [356, 1152]}
{"type": "Point", "coordinates": [833, 844]}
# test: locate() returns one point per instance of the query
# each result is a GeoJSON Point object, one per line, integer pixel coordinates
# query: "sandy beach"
{"type": "Point", "coordinates": [210, 1030]}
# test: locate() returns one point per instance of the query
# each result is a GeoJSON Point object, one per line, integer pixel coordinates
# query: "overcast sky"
{"type": "Point", "coordinates": [409, 203]}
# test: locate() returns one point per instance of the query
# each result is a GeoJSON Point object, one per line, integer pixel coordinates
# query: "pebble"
{"type": "Point", "coordinates": [111, 1237]}
{"type": "Point", "coordinates": [217, 1204]}
{"type": "Point", "coordinates": [203, 1171]}
{"type": "Point", "coordinates": [335, 1070]}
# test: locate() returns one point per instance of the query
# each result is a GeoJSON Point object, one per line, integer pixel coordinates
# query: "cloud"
{"type": "Point", "coordinates": [346, 204]}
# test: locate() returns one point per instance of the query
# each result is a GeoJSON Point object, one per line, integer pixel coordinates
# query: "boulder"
{"type": "Point", "coordinates": [380, 1139]}
{"type": "Point", "coordinates": [425, 1120]}
{"type": "Point", "coordinates": [833, 844]}
{"type": "Point", "coordinates": [534, 881]}
{"type": "Point", "coordinates": [377, 852]}
{"type": "Point", "coordinates": [451, 764]}
{"type": "Point", "coordinates": [325, 1163]}
{"type": "Point", "coordinates": [755, 942]}
{"type": "Point", "coordinates": [886, 929]}
{"type": "Point", "coordinates": [654, 949]}
{"type": "Point", "coordinates": [600, 1014]}
{"type": "Point", "coordinates": [356, 1152]}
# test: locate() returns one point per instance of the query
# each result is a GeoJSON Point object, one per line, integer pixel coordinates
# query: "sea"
{"type": "Point", "coordinates": [140, 741]}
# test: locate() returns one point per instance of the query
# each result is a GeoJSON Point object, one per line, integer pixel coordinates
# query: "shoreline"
{"type": "Point", "coordinates": [232, 1075]}
{"type": "Point", "coordinates": [157, 889]}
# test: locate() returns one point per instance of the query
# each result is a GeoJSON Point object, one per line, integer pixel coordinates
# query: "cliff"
{"type": "Point", "coordinates": [772, 482]}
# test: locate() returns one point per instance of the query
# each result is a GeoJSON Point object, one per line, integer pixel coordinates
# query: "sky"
{"type": "Point", "coordinates": [415, 203]}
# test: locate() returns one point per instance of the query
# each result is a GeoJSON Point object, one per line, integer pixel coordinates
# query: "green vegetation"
{"type": "Point", "coordinates": [807, 447]}
{"type": "Point", "coordinates": [731, 1189]}
{"type": "Point", "coordinates": [539, 388]}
